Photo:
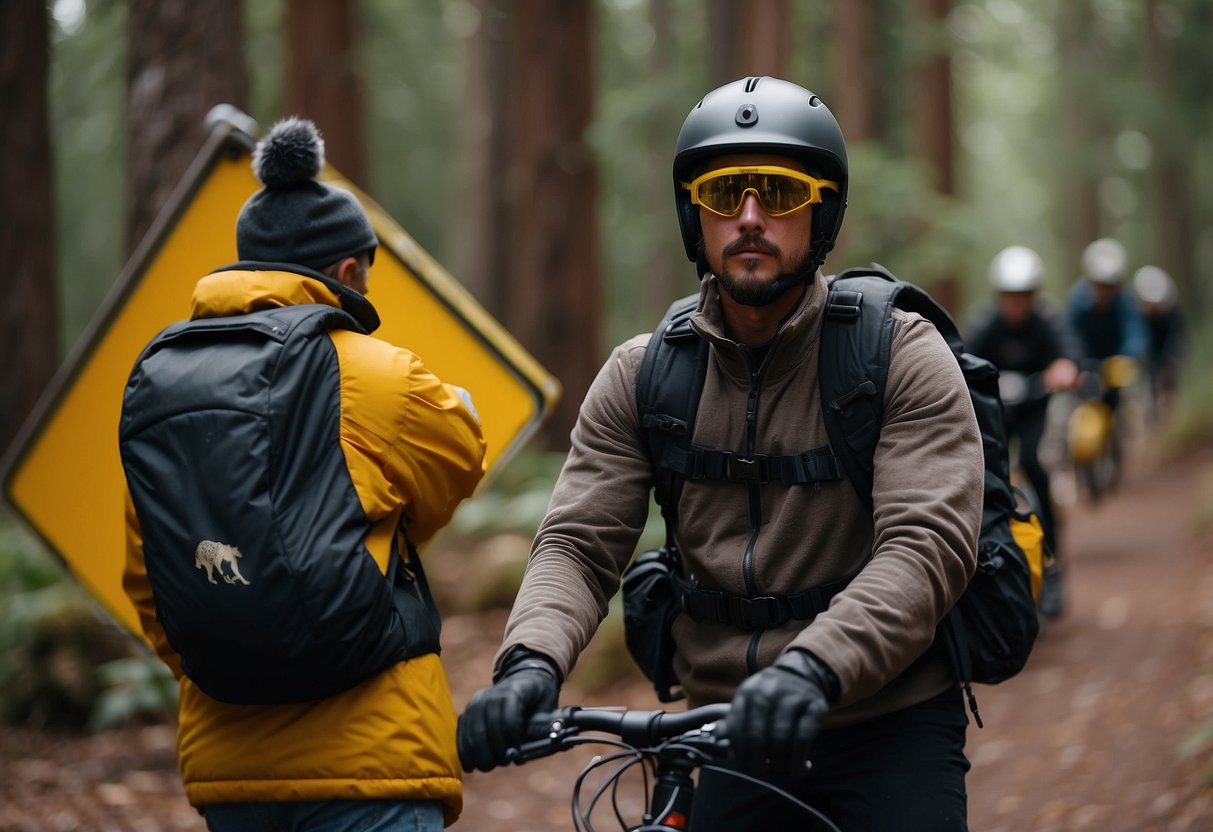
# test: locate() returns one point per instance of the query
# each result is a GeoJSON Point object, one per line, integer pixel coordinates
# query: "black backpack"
{"type": "Point", "coordinates": [253, 533]}
{"type": "Point", "coordinates": [991, 629]}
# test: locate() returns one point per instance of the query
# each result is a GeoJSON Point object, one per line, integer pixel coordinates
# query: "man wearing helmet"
{"type": "Point", "coordinates": [1164, 321]}
{"type": "Point", "coordinates": [1029, 342]}
{"type": "Point", "coordinates": [760, 183]}
{"type": "Point", "coordinates": [1106, 318]}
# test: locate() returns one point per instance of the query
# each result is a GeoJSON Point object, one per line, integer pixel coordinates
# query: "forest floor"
{"type": "Point", "coordinates": [1087, 737]}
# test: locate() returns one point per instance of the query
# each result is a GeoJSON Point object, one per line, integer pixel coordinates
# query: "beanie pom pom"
{"type": "Point", "coordinates": [292, 151]}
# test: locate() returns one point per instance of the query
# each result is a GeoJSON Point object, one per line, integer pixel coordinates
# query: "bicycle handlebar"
{"type": "Point", "coordinates": [549, 733]}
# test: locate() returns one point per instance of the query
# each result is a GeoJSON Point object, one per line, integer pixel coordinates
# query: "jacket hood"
{"type": "Point", "coordinates": [250, 286]}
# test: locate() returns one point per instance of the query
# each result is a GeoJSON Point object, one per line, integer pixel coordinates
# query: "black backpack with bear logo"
{"type": "Point", "coordinates": [254, 536]}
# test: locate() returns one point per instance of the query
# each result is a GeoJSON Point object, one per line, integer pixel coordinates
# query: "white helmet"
{"type": "Point", "coordinates": [1153, 285]}
{"type": "Point", "coordinates": [1016, 269]}
{"type": "Point", "coordinates": [1104, 261]}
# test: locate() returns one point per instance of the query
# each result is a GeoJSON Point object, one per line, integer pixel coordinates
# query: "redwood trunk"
{"type": "Point", "coordinates": [555, 295]}
{"type": "Point", "coordinates": [183, 59]}
{"type": "Point", "coordinates": [322, 79]}
{"type": "Point", "coordinates": [29, 321]}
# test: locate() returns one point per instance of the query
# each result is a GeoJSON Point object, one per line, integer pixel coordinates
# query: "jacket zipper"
{"type": "Point", "coordinates": [754, 494]}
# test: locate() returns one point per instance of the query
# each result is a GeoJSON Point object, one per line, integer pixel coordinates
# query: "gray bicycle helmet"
{"type": "Point", "coordinates": [1016, 269]}
{"type": "Point", "coordinates": [1104, 261]}
{"type": "Point", "coordinates": [763, 115]}
{"type": "Point", "coordinates": [1153, 285]}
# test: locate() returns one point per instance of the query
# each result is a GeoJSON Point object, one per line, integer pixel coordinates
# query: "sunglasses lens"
{"type": "Point", "coordinates": [777, 193]}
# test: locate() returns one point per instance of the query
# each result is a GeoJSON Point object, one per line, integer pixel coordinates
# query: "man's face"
{"type": "Point", "coordinates": [1015, 307]}
{"type": "Point", "coordinates": [749, 250]}
{"type": "Point", "coordinates": [1105, 294]}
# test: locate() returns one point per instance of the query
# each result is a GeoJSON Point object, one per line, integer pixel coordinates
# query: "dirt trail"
{"type": "Point", "coordinates": [1086, 737]}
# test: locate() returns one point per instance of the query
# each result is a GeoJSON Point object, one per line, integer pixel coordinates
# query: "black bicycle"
{"type": "Point", "coordinates": [667, 747]}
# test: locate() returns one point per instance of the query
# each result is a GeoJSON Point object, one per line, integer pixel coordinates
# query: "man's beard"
{"type": "Point", "coordinates": [749, 290]}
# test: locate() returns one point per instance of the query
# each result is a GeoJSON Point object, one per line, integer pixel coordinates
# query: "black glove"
{"type": "Point", "coordinates": [775, 713]}
{"type": "Point", "coordinates": [496, 718]}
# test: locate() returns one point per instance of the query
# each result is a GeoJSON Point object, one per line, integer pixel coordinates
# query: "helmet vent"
{"type": "Point", "coordinates": [814, 101]}
{"type": "Point", "coordinates": [751, 84]}
{"type": "Point", "coordinates": [747, 115]}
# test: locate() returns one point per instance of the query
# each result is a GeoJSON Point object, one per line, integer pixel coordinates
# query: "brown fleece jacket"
{"type": "Point", "coordinates": [917, 548]}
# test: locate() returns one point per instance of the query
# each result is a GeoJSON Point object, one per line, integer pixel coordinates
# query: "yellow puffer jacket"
{"type": "Point", "coordinates": [413, 448]}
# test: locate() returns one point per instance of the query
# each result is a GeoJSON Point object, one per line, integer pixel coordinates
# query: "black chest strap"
{"type": "Point", "coordinates": [760, 612]}
{"type": "Point", "coordinates": [699, 463]}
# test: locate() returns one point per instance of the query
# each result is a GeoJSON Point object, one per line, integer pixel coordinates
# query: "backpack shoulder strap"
{"type": "Point", "coordinates": [277, 324]}
{"type": "Point", "coordinates": [856, 346]}
{"type": "Point", "coordinates": [667, 397]}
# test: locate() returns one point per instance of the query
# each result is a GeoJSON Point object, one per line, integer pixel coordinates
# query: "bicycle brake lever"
{"type": "Point", "coordinates": [558, 730]}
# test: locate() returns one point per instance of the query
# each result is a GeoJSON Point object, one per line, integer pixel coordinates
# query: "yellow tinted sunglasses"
{"type": "Point", "coordinates": [779, 190]}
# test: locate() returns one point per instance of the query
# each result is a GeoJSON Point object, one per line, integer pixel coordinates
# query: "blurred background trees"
{"type": "Point", "coordinates": [527, 145]}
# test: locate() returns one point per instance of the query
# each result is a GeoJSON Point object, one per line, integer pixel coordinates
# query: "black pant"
{"type": "Point", "coordinates": [903, 771]}
{"type": "Point", "coordinates": [1027, 423]}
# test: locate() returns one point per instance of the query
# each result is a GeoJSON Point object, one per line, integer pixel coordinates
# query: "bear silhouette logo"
{"type": "Point", "coordinates": [211, 556]}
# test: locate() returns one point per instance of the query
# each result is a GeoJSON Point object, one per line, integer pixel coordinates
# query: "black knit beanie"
{"type": "Point", "coordinates": [294, 218]}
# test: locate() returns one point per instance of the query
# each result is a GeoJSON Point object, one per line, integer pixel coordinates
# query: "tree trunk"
{"type": "Point", "coordinates": [555, 301]}
{"type": "Point", "coordinates": [766, 38]}
{"type": "Point", "coordinates": [1078, 53]}
{"type": "Point", "coordinates": [854, 94]}
{"type": "Point", "coordinates": [722, 42]}
{"type": "Point", "coordinates": [854, 97]}
{"type": "Point", "coordinates": [480, 213]}
{"type": "Point", "coordinates": [29, 321]}
{"type": "Point", "coordinates": [183, 59]}
{"type": "Point", "coordinates": [933, 124]}
{"type": "Point", "coordinates": [668, 277]}
{"type": "Point", "coordinates": [1172, 200]}
{"type": "Point", "coordinates": [322, 80]}
{"type": "Point", "coordinates": [749, 37]}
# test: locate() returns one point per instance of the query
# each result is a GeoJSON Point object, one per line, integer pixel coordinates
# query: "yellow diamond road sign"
{"type": "Point", "coordinates": [63, 474]}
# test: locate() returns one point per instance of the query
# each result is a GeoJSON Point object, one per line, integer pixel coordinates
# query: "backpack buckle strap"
{"type": "Point", "coordinates": [754, 468]}
{"type": "Point", "coordinates": [748, 613]}
{"type": "Point", "coordinates": [844, 304]}
{"type": "Point", "coordinates": [699, 463]}
{"type": "Point", "coordinates": [865, 388]}
{"type": "Point", "coordinates": [761, 612]}
{"type": "Point", "coordinates": [711, 464]}
{"type": "Point", "coordinates": [817, 465]}
{"type": "Point", "coordinates": [810, 603]}
{"type": "Point", "coordinates": [662, 422]}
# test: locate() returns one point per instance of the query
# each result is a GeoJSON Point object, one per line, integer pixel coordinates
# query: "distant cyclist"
{"type": "Point", "coordinates": [1105, 316]}
{"type": "Point", "coordinates": [1157, 297]}
{"type": "Point", "coordinates": [1025, 335]}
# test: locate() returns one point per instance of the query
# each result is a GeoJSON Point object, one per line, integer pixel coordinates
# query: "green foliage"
{"type": "Point", "coordinates": [411, 65]}
{"type": "Point", "coordinates": [515, 500]}
{"type": "Point", "coordinates": [63, 663]}
{"type": "Point", "coordinates": [132, 688]}
{"type": "Point", "coordinates": [266, 58]}
{"type": "Point", "coordinates": [644, 92]}
{"type": "Point", "coordinates": [1191, 424]}
{"type": "Point", "coordinates": [894, 217]}
{"type": "Point", "coordinates": [1199, 744]}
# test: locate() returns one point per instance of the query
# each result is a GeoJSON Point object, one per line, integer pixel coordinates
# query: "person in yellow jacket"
{"type": "Point", "coordinates": [269, 744]}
